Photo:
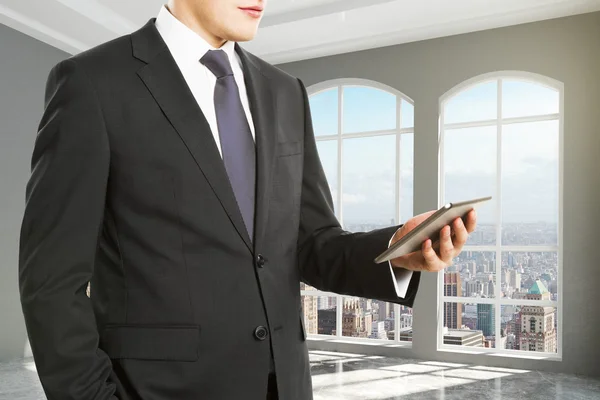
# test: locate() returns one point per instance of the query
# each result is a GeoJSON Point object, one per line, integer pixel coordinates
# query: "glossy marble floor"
{"type": "Point", "coordinates": [353, 377]}
{"type": "Point", "coordinates": [340, 376]}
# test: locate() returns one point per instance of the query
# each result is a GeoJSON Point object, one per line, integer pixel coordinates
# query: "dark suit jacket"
{"type": "Point", "coordinates": [128, 191]}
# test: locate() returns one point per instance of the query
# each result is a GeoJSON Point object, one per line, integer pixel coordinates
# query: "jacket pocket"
{"type": "Point", "coordinates": [151, 342]}
{"type": "Point", "coordinates": [289, 148]}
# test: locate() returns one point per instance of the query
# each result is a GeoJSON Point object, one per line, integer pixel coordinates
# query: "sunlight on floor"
{"type": "Point", "coordinates": [362, 377]}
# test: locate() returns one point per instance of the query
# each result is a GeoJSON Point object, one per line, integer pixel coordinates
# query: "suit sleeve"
{"type": "Point", "coordinates": [335, 260]}
{"type": "Point", "coordinates": [59, 234]}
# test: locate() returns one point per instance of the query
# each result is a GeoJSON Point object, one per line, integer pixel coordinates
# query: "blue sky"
{"type": "Point", "coordinates": [529, 151]}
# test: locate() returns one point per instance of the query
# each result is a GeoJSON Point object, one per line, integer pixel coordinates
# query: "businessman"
{"type": "Point", "coordinates": [179, 174]}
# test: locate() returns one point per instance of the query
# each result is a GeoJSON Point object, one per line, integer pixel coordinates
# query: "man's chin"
{"type": "Point", "coordinates": [242, 36]}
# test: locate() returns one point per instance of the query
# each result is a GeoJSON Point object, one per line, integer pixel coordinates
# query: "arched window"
{"type": "Point", "coordinates": [364, 132]}
{"type": "Point", "coordinates": [501, 135]}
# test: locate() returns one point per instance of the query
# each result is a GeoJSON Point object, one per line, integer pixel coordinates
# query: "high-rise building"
{"type": "Point", "coordinates": [356, 322]}
{"type": "Point", "coordinates": [486, 321]}
{"type": "Point", "coordinates": [515, 279]}
{"type": "Point", "coordinates": [452, 311]}
{"type": "Point", "coordinates": [538, 291]}
{"type": "Point", "coordinates": [325, 302]}
{"type": "Point", "coordinates": [472, 267]}
{"type": "Point", "coordinates": [326, 321]}
{"type": "Point", "coordinates": [474, 288]}
{"type": "Point", "coordinates": [517, 330]}
{"type": "Point", "coordinates": [505, 277]}
{"type": "Point", "coordinates": [511, 260]}
{"type": "Point", "coordinates": [511, 342]}
{"type": "Point", "coordinates": [385, 310]}
{"type": "Point", "coordinates": [310, 314]}
{"type": "Point", "coordinates": [379, 330]}
{"type": "Point", "coordinates": [406, 320]}
{"type": "Point", "coordinates": [538, 323]}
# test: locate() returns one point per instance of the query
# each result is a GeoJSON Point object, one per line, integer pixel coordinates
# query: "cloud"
{"type": "Point", "coordinates": [350, 198]}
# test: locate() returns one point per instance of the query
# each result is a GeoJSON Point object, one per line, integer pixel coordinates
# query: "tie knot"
{"type": "Point", "coordinates": [217, 62]}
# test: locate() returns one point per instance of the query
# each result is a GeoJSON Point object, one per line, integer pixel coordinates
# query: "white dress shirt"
{"type": "Point", "coordinates": [187, 48]}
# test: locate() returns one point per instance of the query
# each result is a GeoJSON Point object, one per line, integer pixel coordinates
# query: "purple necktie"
{"type": "Point", "coordinates": [237, 144]}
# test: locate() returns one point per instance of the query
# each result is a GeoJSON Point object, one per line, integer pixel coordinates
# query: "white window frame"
{"type": "Point", "coordinates": [339, 136]}
{"type": "Point", "coordinates": [498, 248]}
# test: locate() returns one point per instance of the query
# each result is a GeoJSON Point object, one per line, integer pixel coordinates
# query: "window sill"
{"type": "Point", "coordinates": [503, 354]}
{"type": "Point", "coordinates": [357, 341]}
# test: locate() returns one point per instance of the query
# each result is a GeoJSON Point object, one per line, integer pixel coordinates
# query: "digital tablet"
{"type": "Point", "coordinates": [430, 228]}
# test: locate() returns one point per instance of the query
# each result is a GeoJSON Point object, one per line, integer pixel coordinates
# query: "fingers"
{"type": "Point", "coordinates": [434, 258]}
{"type": "Point", "coordinates": [471, 221]}
{"type": "Point", "coordinates": [432, 262]}
{"type": "Point", "coordinates": [446, 246]}
{"type": "Point", "coordinates": [460, 234]}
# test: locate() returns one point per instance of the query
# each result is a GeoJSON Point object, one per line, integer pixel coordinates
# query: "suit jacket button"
{"type": "Point", "coordinates": [260, 261]}
{"type": "Point", "coordinates": [261, 333]}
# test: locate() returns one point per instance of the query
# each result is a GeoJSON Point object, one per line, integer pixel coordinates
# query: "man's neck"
{"type": "Point", "coordinates": [187, 18]}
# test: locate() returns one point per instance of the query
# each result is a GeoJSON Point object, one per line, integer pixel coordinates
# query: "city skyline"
{"type": "Point", "coordinates": [475, 273]}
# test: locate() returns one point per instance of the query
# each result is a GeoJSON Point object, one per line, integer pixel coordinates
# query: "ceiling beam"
{"type": "Point", "coordinates": [318, 11]}
{"type": "Point", "coordinates": [37, 30]}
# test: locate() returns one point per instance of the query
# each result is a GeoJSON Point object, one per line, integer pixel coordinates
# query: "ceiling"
{"type": "Point", "coordinates": [291, 30]}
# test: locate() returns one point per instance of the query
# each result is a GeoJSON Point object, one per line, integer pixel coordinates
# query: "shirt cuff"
{"type": "Point", "coordinates": [400, 276]}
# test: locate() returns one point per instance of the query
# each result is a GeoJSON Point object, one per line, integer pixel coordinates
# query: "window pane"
{"type": "Point", "coordinates": [368, 109]}
{"type": "Point", "coordinates": [469, 172]}
{"type": "Point", "coordinates": [530, 183]}
{"type": "Point", "coordinates": [530, 275]}
{"type": "Point", "coordinates": [477, 325]}
{"type": "Point", "coordinates": [530, 328]}
{"type": "Point", "coordinates": [367, 319]}
{"type": "Point", "coordinates": [324, 111]}
{"type": "Point", "coordinates": [472, 274]}
{"type": "Point", "coordinates": [319, 313]}
{"type": "Point", "coordinates": [369, 183]}
{"type": "Point", "coordinates": [328, 153]}
{"type": "Point", "coordinates": [524, 99]}
{"type": "Point", "coordinates": [407, 111]}
{"type": "Point", "coordinates": [478, 103]}
{"type": "Point", "coordinates": [407, 158]}
{"type": "Point", "coordinates": [406, 323]}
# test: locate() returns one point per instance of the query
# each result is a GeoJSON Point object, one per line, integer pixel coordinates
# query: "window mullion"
{"type": "Point", "coordinates": [398, 213]}
{"type": "Point", "coordinates": [498, 285]}
{"type": "Point", "coordinates": [339, 299]}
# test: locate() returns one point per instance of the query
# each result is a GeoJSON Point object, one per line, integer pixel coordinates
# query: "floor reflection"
{"type": "Point", "coordinates": [342, 376]}
{"type": "Point", "coordinates": [355, 377]}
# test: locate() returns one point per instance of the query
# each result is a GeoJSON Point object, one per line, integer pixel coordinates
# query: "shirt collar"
{"type": "Point", "coordinates": [186, 44]}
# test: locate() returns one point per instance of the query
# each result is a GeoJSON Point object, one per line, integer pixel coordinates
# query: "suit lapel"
{"type": "Point", "coordinates": [164, 80]}
{"type": "Point", "coordinates": [263, 109]}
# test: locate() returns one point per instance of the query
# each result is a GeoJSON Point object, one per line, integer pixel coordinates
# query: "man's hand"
{"type": "Point", "coordinates": [435, 257]}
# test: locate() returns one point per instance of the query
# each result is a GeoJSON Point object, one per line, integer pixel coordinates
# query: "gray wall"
{"type": "Point", "coordinates": [566, 49]}
{"type": "Point", "coordinates": [24, 66]}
